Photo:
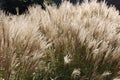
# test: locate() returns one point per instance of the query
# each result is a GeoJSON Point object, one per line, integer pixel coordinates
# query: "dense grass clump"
{"type": "Point", "coordinates": [78, 42]}
{"type": "Point", "coordinates": [22, 47]}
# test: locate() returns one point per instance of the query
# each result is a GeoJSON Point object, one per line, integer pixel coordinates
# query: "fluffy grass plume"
{"type": "Point", "coordinates": [21, 48]}
{"type": "Point", "coordinates": [79, 42]}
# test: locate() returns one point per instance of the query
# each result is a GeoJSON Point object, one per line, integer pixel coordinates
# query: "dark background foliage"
{"type": "Point", "coordinates": [115, 3]}
{"type": "Point", "coordinates": [9, 6]}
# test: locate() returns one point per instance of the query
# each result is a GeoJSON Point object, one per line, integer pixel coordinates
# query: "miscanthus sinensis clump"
{"type": "Point", "coordinates": [79, 42]}
{"type": "Point", "coordinates": [22, 48]}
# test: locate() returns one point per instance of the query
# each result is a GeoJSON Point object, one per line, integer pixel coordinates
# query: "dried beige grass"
{"type": "Point", "coordinates": [87, 35]}
{"type": "Point", "coordinates": [21, 47]}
